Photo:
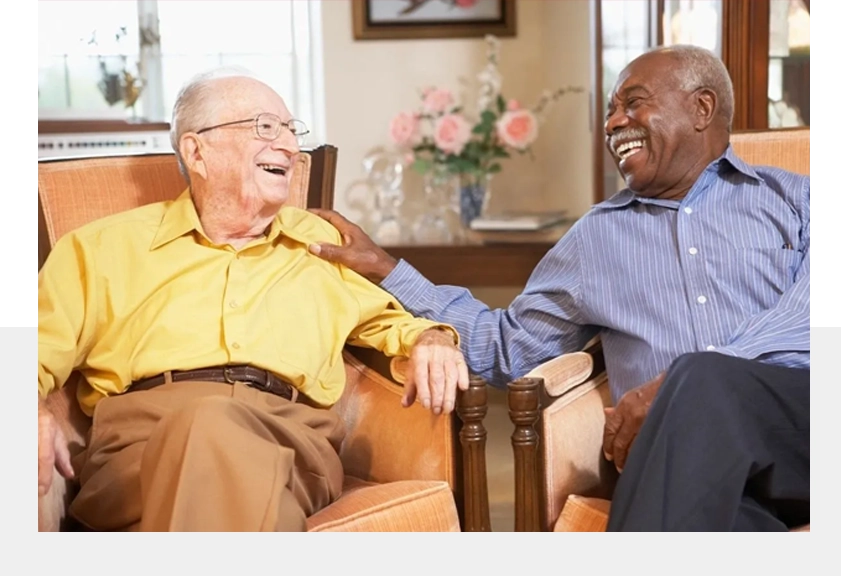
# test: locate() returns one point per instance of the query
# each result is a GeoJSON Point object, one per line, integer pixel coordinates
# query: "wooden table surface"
{"type": "Point", "coordinates": [479, 265]}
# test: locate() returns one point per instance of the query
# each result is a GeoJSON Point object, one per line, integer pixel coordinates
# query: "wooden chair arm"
{"type": "Point", "coordinates": [558, 417]}
{"type": "Point", "coordinates": [386, 442]}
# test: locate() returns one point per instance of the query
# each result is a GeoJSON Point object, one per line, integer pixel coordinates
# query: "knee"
{"type": "Point", "coordinates": [700, 364]}
{"type": "Point", "coordinates": [702, 378]}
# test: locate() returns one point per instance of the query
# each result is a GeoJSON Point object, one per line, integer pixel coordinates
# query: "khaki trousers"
{"type": "Point", "coordinates": [207, 456]}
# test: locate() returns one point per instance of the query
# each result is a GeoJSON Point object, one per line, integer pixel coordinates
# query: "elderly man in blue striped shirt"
{"type": "Point", "coordinates": [696, 278]}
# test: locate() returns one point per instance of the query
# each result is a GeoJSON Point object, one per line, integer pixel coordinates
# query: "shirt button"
{"type": "Point", "coordinates": [233, 304]}
{"type": "Point", "coordinates": [702, 299]}
{"type": "Point", "coordinates": [693, 251]}
{"type": "Point", "coordinates": [235, 345]}
{"type": "Point", "coordinates": [710, 347]}
{"type": "Point", "coordinates": [688, 210]}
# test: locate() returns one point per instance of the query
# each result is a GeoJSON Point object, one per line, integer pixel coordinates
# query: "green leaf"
{"type": "Point", "coordinates": [500, 104]}
{"type": "Point", "coordinates": [462, 165]}
{"type": "Point", "coordinates": [421, 166]}
{"type": "Point", "coordinates": [488, 117]}
{"type": "Point", "coordinates": [494, 169]}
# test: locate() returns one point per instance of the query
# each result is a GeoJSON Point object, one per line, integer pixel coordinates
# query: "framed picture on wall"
{"type": "Point", "coordinates": [402, 19]}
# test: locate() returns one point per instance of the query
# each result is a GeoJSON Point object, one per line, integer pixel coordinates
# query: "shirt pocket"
{"type": "Point", "coordinates": [768, 272]}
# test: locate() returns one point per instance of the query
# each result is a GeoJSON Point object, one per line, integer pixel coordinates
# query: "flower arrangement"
{"type": "Point", "coordinates": [440, 135]}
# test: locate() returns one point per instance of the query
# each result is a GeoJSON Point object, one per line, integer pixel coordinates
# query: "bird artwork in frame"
{"type": "Point", "coordinates": [417, 19]}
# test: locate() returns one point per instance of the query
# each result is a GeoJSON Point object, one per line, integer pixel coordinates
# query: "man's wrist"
{"type": "Point", "coordinates": [441, 331]}
{"type": "Point", "coordinates": [385, 266]}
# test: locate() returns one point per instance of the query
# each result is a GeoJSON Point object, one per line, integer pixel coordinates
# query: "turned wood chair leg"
{"type": "Point", "coordinates": [472, 407]}
{"type": "Point", "coordinates": [524, 410]}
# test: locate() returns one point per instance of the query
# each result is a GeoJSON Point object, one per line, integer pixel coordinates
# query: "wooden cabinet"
{"type": "Point", "coordinates": [763, 43]}
{"type": "Point", "coordinates": [474, 266]}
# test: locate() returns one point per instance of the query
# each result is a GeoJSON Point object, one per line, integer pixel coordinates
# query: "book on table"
{"type": "Point", "coordinates": [526, 228]}
{"type": "Point", "coordinates": [517, 221]}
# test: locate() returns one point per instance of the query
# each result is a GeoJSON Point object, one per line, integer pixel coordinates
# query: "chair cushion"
{"type": "Point", "coordinates": [582, 514]}
{"type": "Point", "coordinates": [404, 506]}
{"type": "Point", "coordinates": [590, 515]}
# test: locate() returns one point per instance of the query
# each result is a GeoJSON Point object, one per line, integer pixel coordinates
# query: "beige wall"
{"type": "Point", "coordinates": [368, 82]}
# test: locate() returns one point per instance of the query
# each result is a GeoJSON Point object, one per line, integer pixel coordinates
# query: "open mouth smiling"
{"type": "Point", "coordinates": [629, 148]}
{"type": "Point", "coordinates": [273, 169]}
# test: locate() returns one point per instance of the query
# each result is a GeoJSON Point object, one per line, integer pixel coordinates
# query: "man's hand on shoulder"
{"type": "Point", "coordinates": [53, 451]}
{"type": "Point", "coordinates": [436, 372]}
{"type": "Point", "coordinates": [359, 252]}
{"type": "Point", "coordinates": [622, 423]}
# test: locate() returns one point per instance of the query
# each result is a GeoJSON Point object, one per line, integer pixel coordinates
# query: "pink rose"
{"type": "Point", "coordinates": [513, 105]}
{"type": "Point", "coordinates": [517, 128]}
{"type": "Point", "coordinates": [466, 3]}
{"type": "Point", "coordinates": [438, 101]}
{"type": "Point", "coordinates": [404, 129]}
{"type": "Point", "coordinates": [451, 133]}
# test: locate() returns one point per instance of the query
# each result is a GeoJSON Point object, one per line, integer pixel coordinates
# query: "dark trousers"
{"type": "Point", "coordinates": [725, 447]}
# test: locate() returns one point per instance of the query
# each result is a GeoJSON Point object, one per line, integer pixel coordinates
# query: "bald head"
{"type": "Point", "coordinates": [668, 117]}
{"type": "Point", "coordinates": [200, 101]}
{"type": "Point", "coordinates": [697, 67]}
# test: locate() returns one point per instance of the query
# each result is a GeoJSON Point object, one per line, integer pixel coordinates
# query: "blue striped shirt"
{"type": "Point", "coordinates": [726, 269]}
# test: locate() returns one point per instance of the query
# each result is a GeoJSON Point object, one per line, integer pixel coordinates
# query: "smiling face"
{"type": "Point", "coordinates": [655, 129]}
{"type": "Point", "coordinates": [235, 166]}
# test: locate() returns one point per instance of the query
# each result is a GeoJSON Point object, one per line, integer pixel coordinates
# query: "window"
{"type": "Point", "coordinates": [788, 64]}
{"type": "Point", "coordinates": [125, 60]}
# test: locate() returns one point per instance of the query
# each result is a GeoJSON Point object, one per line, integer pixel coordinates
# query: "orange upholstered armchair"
{"type": "Point", "coordinates": [562, 480]}
{"type": "Point", "coordinates": [406, 469]}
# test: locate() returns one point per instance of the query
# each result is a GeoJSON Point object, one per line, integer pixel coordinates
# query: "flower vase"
{"type": "Point", "coordinates": [432, 228]}
{"type": "Point", "coordinates": [474, 194]}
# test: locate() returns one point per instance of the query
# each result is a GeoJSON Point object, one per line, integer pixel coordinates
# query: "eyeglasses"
{"type": "Point", "coordinates": [268, 127]}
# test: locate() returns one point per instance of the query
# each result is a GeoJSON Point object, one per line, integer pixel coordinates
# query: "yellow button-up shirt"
{"type": "Point", "coordinates": [145, 291]}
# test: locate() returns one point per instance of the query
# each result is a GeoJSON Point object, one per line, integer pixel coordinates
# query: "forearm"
{"type": "Point", "coordinates": [499, 345]}
{"type": "Point", "coordinates": [781, 334]}
{"type": "Point", "coordinates": [395, 333]}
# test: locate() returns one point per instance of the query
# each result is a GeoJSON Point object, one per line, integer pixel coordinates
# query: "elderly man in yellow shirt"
{"type": "Point", "coordinates": [211, 340]}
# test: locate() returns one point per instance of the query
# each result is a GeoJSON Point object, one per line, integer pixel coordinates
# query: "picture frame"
{"type": "Point", "coordinates": [423, 19]}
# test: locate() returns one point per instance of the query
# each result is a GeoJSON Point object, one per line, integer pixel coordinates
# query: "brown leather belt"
{"type": "Point", "coordinates": [256, 377]}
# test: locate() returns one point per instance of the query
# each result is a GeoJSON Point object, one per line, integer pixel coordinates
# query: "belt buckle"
{"type": "Point", "coordinates": [264, 386]}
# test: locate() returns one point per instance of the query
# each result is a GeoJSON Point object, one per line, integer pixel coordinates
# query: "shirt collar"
{"type": "Point", "coordinates": [726, 161]}
{"type": "Point", "coordinates": [181, 218]}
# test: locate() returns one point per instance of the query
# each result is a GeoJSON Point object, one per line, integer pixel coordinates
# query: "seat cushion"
{"type": "Point", "coordinates": [582, 514]}
{"type": "Point", "coordinates": [404, 506]}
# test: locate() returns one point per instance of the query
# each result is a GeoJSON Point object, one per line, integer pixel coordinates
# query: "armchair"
{"type": "Point", "coordinates": [562, 480]}
{"type": "Point", "coordinates": [405, 469]}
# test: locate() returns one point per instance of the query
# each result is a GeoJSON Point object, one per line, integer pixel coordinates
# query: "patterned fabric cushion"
{"type": "Point", "coordinates": [404, 506]}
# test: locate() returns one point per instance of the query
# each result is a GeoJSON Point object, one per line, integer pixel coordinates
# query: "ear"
{"type": "Point", "coordinates": [191, 152]}
{"type": "Point", "coordinates": [706, 106]}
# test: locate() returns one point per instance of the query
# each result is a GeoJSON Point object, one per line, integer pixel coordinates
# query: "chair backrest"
{"type": "Point", "coordinates": [787, 149]}
{"type": "Point", "coordinates": [74, 192]}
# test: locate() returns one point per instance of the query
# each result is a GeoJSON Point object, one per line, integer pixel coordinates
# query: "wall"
{"type": "Point", "coordinates": [368, 82]}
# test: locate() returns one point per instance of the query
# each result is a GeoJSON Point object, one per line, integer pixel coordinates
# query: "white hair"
{"type": "Point", "coordinates": [194, 106]}
{"type": "Point", "coordinates": [700, 68]}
